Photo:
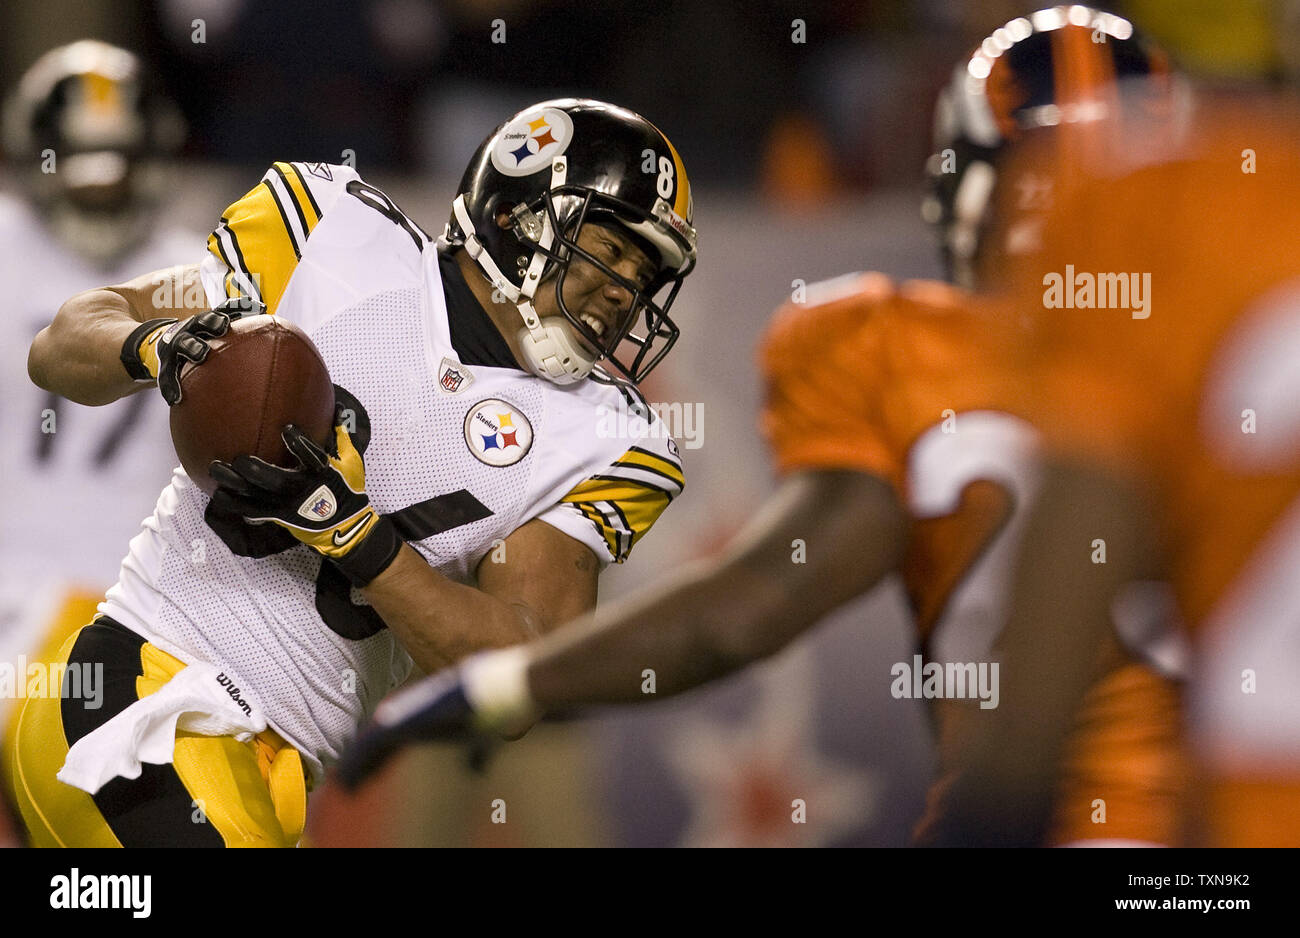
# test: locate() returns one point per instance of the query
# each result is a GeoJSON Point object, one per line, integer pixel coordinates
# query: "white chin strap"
{"type": "Point", "coordinates": [550, 347]}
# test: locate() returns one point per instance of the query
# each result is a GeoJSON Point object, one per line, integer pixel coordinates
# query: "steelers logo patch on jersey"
{"type": "Point", "coordinates": [497, 433]}
{"type": "Point", "coordinates": [531, 142]}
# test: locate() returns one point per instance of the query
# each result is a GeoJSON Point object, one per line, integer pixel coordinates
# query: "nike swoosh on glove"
{"type": "Point", "coordinates": [323, 502]}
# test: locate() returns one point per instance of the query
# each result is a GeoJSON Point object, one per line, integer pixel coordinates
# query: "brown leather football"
{"type": "Point", "coordinates": [262, 374]}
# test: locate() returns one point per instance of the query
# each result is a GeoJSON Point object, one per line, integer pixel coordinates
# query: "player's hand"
{"type": "Point", "coordinates": [322, 503]}
{"type": "Point", "coordinates": [435, 708]}
{"type": "Point", "coordinates": [482, 700]}
{"type": "Point", "coordinates": [157, 349]}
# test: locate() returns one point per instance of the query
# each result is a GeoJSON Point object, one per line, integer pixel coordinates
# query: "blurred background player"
{"type": "Point", "coordinates": [1172, 434]}
{"type": "Point", "coordinates": [895, 416]}
{"type": "Point", "coordinates": [87, 136]}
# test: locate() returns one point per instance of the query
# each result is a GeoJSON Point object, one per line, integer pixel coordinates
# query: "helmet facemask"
{"type": "Point", "coordinates": [569, 209]}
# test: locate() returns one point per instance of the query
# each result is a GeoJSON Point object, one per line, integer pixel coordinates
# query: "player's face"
{"type": "Point", "coordinates": [600, 302]}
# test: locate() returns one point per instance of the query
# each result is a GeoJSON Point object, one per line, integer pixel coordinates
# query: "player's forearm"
{"type": "Point", "coordinates": [78, 354]}
{"type": "Point", "coordinates": [439, 621]}
{"type": "Point", "coordinates": [659, 644]}
{"type": "Point", "coordinates": [825, 538]}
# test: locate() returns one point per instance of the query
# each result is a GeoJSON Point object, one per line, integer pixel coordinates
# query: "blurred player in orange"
{"type": "Point", "coordinates": [1173, 432]}
{"type": "Point", "coordinates": [894, 413]}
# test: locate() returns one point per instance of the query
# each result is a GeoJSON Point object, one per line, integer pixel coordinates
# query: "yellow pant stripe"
{"type": "Point", "coordinates": [243, 790]}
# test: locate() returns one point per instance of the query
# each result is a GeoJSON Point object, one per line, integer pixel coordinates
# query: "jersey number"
{"type": "Point", "coordinates": [115, 436]}
{"type": "Point", "coordinates": [987, 447]}
{"type": "Point", "coordinates": [381, 203]}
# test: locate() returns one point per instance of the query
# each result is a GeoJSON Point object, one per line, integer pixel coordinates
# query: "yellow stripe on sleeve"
{"type": "Point", "coordinates": [263, 241]}
{"type": "Point", "coordinates": [656, 464]}
{"type": "Point", "coordinates": [301, 195]}
{"type": "Point", "coordinates": [635, 508]}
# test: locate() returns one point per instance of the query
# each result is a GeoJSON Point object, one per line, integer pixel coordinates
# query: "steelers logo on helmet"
{"type": "Point", "coordinates": [497, 433]}
{"type": "Point", "coordinates": [531, 141]}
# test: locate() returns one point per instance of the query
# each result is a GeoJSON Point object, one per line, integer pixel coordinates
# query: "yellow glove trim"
{"type": "Point", "coordinates": [149, 350]}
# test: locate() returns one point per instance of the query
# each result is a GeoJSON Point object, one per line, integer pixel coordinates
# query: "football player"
{"type": "Point", "coordinates": [896, 416]}
{"type": "Point", "coordinates": [251, 633]}
{"type": "Point", "coordinates": [87, 136]}
{"type": "Point", "coordinates": [1171, 432]}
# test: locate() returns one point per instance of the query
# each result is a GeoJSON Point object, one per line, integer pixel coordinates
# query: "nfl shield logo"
{"type": "Point", "coordinates": [452, 376]}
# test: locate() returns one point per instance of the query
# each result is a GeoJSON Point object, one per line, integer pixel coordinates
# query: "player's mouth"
{"type": "Point", "coordinates": [595, 324]}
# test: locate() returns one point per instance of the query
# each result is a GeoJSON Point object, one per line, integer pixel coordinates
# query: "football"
{"type": "Point", "coordinates": [263, 374]}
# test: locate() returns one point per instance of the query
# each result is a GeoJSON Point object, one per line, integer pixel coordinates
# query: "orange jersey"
{"type": "Point", "coordinates": [1196, 399]}
{"type": "Point", "coordinates": [920, 385]}
{"type": "Point", "coordinates": [880, 379]}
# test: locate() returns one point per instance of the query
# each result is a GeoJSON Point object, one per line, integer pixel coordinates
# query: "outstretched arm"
{"type": "Point", "coordinates": [78, 355]}
{"type": "Point", "coordinates": [714, 618]}
{"type": "Point", "coordinates": [724, 613]}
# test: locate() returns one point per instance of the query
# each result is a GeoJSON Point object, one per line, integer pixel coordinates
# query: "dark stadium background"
{"type": "Point", "coordinates": [806, 161]}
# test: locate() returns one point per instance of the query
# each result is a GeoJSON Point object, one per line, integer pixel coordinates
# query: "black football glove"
{"type": "Point", "coordinates": [322, 503]}
{"type": "Point", "coordinates": [156, 350]}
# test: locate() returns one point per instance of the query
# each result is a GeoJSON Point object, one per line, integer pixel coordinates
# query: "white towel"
{"type": "Point", "coordinates": [199, 699]}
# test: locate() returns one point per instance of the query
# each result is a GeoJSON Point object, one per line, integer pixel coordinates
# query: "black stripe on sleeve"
{"type": "Point", "coordinates": [306, 229]}
{"type": "Point", "coordinates": [645, 485]}
{"type": "Point", "coordinates": [627, 531]}
{"type": "Point", "coordinates": [288, 229]}
{"type": "Point", "coordinates": [660, 456]}
{"type": "Point", "coordinates": [310, 198]}
{"type": "Point", "coordinates": [252, 289]}
{"type": "Point", "coordinates": [638, 466]}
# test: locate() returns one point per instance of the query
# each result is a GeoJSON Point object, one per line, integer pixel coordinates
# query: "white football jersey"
{"type": "Point", "coordinates": [460, 455]}
{"type": "Point", "coordinates": [78, 481]}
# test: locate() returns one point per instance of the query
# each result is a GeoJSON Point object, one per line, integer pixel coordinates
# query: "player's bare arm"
{"type": "Point", "coordinates": [745, 605]}
{"type": "Point", "coordinates": [78, 355]}
{"type": "Point", "coordinates": [718, 616]}
{"type": "Point", "coordinates": [1050, 652]}
{"type": "Point", "coordinates": [535, 580]}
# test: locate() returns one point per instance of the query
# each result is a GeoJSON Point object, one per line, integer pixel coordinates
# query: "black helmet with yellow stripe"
{"type": "Point", "coordinates": [1059, 67]}
{"type": "Point", "coordinates": [84, 127]}
{"type": "Point", "coordinates": [530, 187]}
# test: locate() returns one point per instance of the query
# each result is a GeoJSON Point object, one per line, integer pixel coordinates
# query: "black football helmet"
{"type": "Point", "coordinates": [89, 131]}
{"type": "Point", "coordinates": [550, 169]}
{"type": "Point", "coordinates": [1062, 65]}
